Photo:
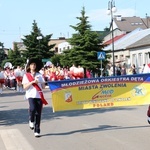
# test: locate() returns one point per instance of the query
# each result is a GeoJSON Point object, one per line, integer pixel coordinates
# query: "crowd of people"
{"type": "Point", "coordinates": [12, 77]}
{"type": "Point", "coordinates": [122, 70]}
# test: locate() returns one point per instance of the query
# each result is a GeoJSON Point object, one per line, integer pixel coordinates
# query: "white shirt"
{"type": "Point", "coordinates": [31, 92]}
{"type": "Point", "coordinates": [2, 75]}
{"type": "Point", "coordinates": [146, 69]}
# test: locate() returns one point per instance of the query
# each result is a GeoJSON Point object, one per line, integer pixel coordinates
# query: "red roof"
{"type": "Point", "coordinates": [115, 39]}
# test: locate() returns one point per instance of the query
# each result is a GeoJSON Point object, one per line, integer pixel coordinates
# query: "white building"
{"type": "Point", "coordinates": [63, 46]}
{"type": "Point", "coordinates": [133, 48]}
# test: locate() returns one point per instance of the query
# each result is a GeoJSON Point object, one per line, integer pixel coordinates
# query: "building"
{"type": "Point", "coordinates": [61, 44]}
{"type": "Point", "coordinates": [131, 40]}
{"type": "Point", "coordinates": [128, 24]}
{"type": "Point", "coordinates": [133, 48]}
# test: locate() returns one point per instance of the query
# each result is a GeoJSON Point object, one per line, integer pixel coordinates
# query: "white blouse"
{"type": "Point", "coordinates": [31, 92]}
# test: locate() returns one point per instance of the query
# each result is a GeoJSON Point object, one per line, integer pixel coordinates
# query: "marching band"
{"type": "Point", "coordinates": [11, 78]}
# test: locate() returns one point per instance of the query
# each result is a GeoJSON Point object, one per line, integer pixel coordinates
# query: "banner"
{"type": "Point", "coordinates": [100, 92]}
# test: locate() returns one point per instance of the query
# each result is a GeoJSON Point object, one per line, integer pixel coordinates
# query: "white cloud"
{"type": "Point", "coordinates": [127, 12]}
{"type": "Point", "coordinates": [99, 19]}
{"type": "Point", "coordinates": [97, 15]}
{"type": "Point", "coordinates": [100, 14]}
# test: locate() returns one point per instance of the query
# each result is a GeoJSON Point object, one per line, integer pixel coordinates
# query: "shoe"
{"type": "Point", "coordinates": [37, 134]}
{"type": "Point", "coordinates": [148, 120]}
{"type": "Point", "coordinates": [31, 125]}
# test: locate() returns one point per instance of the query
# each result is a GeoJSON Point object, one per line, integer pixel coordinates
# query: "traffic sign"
{"type": "Point", "coordinates": [101, 55]}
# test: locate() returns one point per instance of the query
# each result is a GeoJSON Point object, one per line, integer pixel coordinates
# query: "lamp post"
{"type": "Point", "coordinates": [39, 38]}
{"type": "Point", "coordinates": [112, 9]}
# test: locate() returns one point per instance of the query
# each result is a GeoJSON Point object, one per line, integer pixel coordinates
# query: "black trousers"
{"type": "Point", "coordinates": [35, 110]}
{"type": "Point", "coordinates": [148, 111]}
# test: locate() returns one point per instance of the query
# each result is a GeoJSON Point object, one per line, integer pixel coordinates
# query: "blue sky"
{"type": "Point", "coordinates": [56, 16]}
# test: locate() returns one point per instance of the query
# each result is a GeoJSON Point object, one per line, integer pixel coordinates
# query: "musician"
{"type": "Point", "coordinates": [1, 80]}
{"type": "Point", "coordinates": [66, 73]}
{"type": "Point", "coordinates": [72, 71]}
{"type": "Point", "coordinates": [80, 72]}
{"type": "Point", "coordinates": [52, 73]}
{"type": "Point", "coordinates": [19, 72]}
{"type": "Point", "coordinates": [46, 74]}
{"type": "Point", "coordinates": [60, 73]}
{"type": "Point", "coordinates": [12, 79]}
{"type": "Point", "coordinates": [76, 72]}
{"type": "Point", "coordinates": [7, 76]}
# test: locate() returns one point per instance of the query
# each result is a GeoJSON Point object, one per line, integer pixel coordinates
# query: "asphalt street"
{"type": "Point", "coordinates": [121, 128]}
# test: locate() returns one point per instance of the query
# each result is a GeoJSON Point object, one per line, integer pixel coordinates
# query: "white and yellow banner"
{"type": "Point", "coordinates": [100, 92]}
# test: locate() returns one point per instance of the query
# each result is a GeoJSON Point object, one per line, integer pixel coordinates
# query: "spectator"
{"type": "Point", "coordinates": [123, 70]}
{"type": "Point", "coordinates": [143, 68]}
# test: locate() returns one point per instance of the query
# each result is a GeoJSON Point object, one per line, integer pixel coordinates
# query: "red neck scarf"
{"type": "Point", "coordinates": [30, 78]}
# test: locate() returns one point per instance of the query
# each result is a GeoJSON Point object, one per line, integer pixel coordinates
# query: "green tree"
{"type": "Point", "coordinates": [56, 59]}
{"type": "Point", "coordinates": [85, 45]}
{"type": "Point", "coordinates": [2, 53]}
{"type": "Point", "coordinates": [15, 57]}
{"type": "Point", "coordinates": [37, 44]}
{"type": "Point", "coordinates": [106, 29]}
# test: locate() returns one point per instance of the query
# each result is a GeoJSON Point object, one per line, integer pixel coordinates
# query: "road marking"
{"type": "Point", "coordinates": [14, 140]}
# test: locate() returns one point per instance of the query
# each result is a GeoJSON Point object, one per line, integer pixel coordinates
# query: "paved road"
{"type": "Point", "coordinates": [123, 128]}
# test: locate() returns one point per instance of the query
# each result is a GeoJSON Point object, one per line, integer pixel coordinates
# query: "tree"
{"type": "Point", "coordinates": [15, 57]}
{"type": "Point", "coordinates": [37, 44]}
{"type": "Point", "coordinates": [56, 59]}
{"type": "Point", "coordinates": [85, 43]}
{"type": "Point", "coordinates": [2, 53]}
{"type": "Point", "coordinates": [106, 29]}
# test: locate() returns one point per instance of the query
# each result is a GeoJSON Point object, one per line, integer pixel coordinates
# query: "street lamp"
{"type": "Point", "coordinates": [112, 9]}
{"type": "Point", "coordinates": [39, 38]}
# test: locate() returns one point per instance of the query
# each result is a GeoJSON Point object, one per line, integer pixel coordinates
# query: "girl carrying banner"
{"type": "Point", "coordinates": [33, 82]}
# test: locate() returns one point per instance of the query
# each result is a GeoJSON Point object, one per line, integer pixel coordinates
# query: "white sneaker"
{"type": "Point", "coordinates": [37, 134]}
{"type": "Point", "coordinates": [31, 125]}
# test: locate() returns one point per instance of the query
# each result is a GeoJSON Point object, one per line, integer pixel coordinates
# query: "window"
{"type": "Point", "coordinates": [146, 58]}
{"type": "Point", "coordinates": [116, 57]}
{"type": "Point", "coordinates": [56, 49]}
{"type": "Point", "coordinates": [121, 57]}
{"type": "Point", "coordinates": [136, 23]}
{"type": "Point", "coordinates": [60, 50]}
{"type": "Point", "coordinates": [140, 59]}
{"type": "Point", "coordinates": [134, 59]}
